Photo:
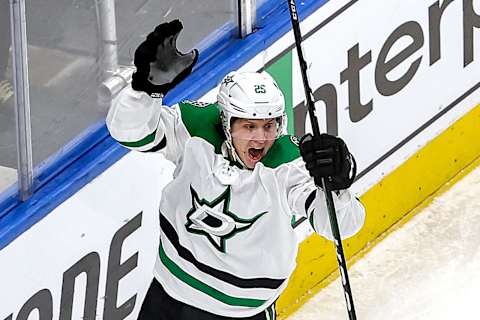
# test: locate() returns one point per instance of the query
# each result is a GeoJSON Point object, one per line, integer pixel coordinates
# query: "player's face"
{"type": "Point", "coordinates": [252, 138]}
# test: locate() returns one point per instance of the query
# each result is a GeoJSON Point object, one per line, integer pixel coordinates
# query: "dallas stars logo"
{"type": "Point", "coordinates": [228, 79]}
{"type": "Point", "coordinates": [214, 220]}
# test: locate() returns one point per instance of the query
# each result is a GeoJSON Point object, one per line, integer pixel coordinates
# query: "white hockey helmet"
{"type": "Point", "coordinates": [251, 95]}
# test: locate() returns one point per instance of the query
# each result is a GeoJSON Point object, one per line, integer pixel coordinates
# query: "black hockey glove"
{"type": "Point", "coordinates": [327, 156]}
{"type": "Point", "coordinates": [160, 66]}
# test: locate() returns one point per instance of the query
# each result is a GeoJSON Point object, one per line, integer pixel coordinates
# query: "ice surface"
{"type": "Point", "coordinates": [428, 269]}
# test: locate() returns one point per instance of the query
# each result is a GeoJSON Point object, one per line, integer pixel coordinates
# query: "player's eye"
{"type": "Point", "coordinates": [270, 125]}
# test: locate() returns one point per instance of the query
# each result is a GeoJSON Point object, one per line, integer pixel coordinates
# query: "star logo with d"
{"type": "Point", "coordinates": [214, 220]}
{"type": "Point", "coordinates": [228, 79]}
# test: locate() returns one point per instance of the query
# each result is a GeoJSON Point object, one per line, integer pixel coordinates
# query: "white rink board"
{"type": "Point", "coordinates": [438, 280]}
{"type": "Point", "coordinates": [368, 24]}
{"type": "Point", "coordinates": [83, 224]}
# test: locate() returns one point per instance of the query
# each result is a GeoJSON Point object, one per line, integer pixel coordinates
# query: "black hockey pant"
{"type": "Point", "coordinates": [158, 305]}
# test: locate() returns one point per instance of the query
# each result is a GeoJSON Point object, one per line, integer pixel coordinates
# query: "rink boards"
{"type": "Point", "coordinates": [399, 82]}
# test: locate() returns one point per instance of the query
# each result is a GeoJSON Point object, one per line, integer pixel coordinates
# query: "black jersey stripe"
{"type": "Point", "coordinates": [159, 146]}
{"type": "Point", "coordinates": [309, 200]}
{"type": "Point", "coordinates": [197, 284]}
{"type": "Point", "coordinates": [183, 252]}
{"type": "Point", "coordinates": [308, 203]}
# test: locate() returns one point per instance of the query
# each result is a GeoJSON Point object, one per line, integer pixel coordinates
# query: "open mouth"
{"type": "Point", "coordinates": [255, 154]}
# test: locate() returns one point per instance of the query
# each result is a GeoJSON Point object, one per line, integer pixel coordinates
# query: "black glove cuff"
{"type": "Point", "coordinates": [328, 157]}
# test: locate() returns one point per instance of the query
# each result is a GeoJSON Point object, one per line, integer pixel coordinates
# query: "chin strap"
{"type": "Point", "coordinates": [229, 152]}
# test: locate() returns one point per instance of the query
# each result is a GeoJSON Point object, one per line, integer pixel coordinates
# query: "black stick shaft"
{"type": "Point", "coordinates": [342, 264]}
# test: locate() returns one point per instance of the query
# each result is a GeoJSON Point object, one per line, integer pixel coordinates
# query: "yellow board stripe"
{"type": "Point", "coordinates": [393, 200]}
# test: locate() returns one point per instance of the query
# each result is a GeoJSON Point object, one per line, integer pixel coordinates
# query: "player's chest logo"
{"type": "Point", "coordinates": [214, 220]}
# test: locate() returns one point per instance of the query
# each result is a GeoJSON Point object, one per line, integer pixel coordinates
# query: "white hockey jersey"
{"type": "Point", "coordinates": [227, 245]}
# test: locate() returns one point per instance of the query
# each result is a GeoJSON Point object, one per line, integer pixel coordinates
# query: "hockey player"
{"type": "Point", "coordinates": [227, 247]}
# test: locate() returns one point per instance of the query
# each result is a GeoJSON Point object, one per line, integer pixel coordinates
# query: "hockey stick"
{"type": "Point", "coordinates": [328, 193]}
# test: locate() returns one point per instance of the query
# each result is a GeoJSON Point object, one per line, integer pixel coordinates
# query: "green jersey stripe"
{"type": "Point", "coordinates": [169, 231]}
{"type": "Point", "coordinates": [140, 143]}
{"type": "Point", "coordinates": [271, 312]}
{"type": "Point", "coordinates": [199, 285]}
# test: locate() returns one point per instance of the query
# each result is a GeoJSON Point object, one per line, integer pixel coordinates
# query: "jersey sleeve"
{"type": "Point", "coordinates": [141, 123]}
{"type": "Point", "coordinates": [305, 200]}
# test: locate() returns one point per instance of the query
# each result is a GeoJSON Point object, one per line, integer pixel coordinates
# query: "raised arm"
{"type": "Point", "coordinates": [137, 119]}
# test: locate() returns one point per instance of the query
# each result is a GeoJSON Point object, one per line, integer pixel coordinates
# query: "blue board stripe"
{"type": "Point", "coordinates": [57, 163]}
{"type": "Point", "coordinates": [94, 151]}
